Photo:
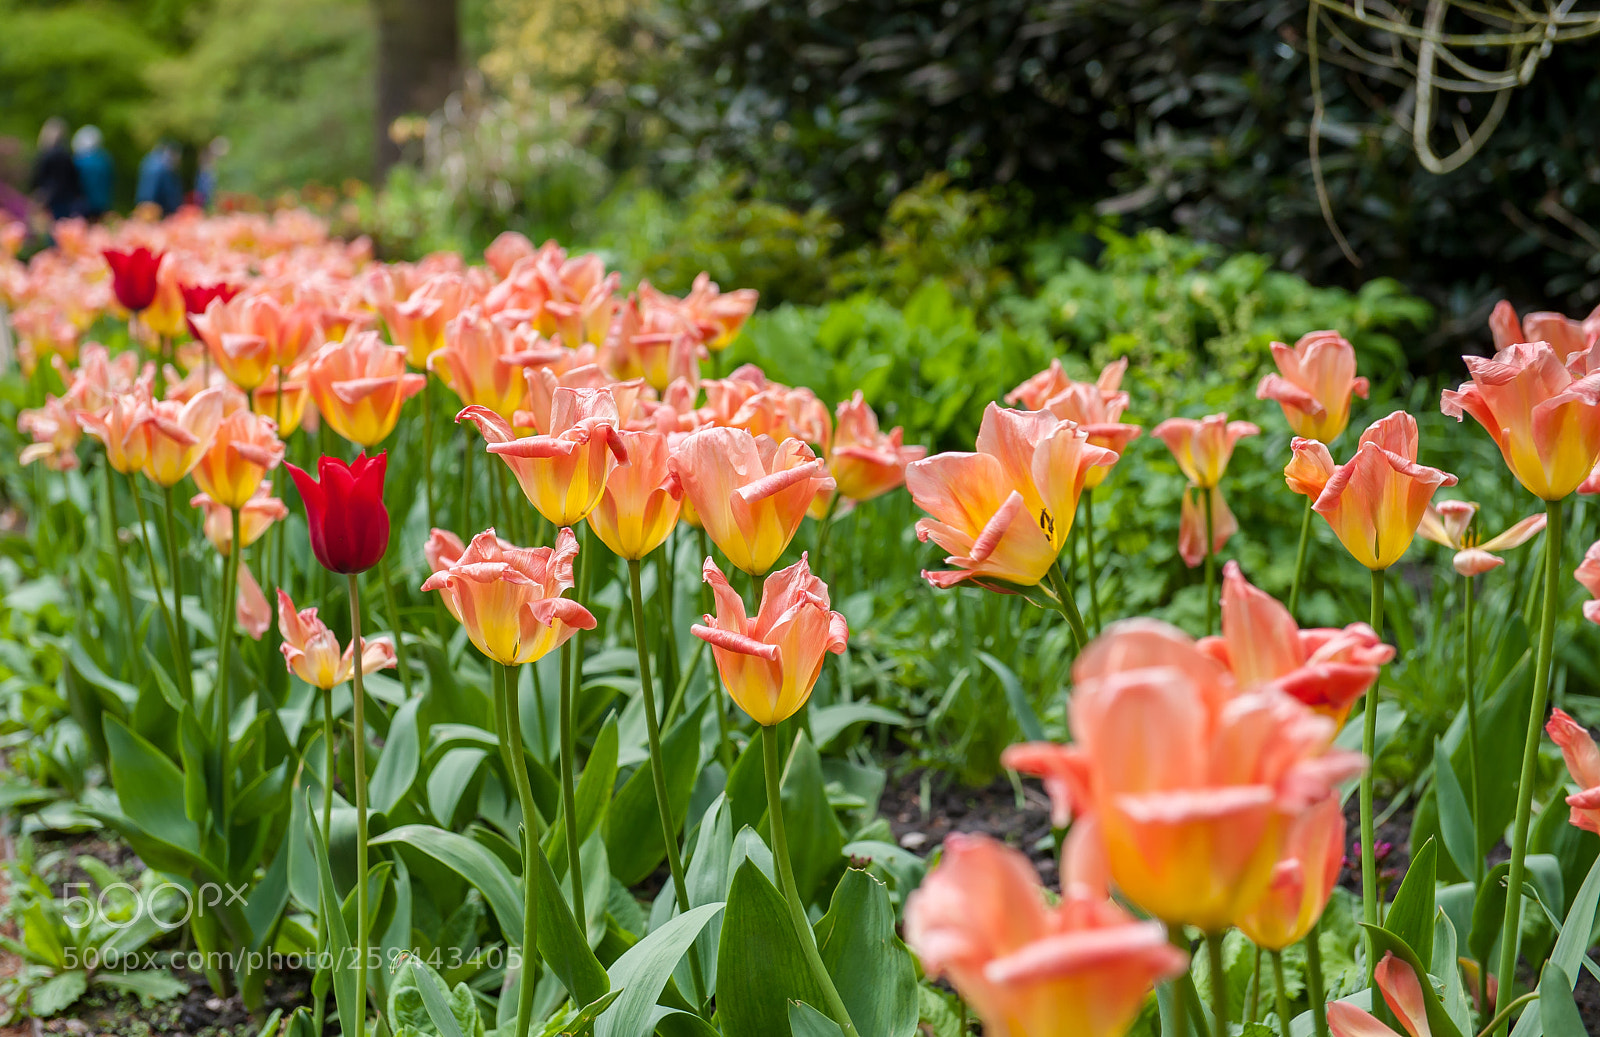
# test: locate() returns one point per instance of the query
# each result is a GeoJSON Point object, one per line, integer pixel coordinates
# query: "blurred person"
{"type": "Point", "coordinates": [159, 183]}
{"type": "Point", "coordinates": [55, 178]}
{"type": "Point", "coordinates": [95, 170]}
{"type": "Point", "coordinates": [205, 181]}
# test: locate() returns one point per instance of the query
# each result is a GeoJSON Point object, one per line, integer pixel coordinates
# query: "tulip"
{"type": "Point", "coordinates": [1302, 880]}
{"type": "Point", "coordinates": [418, 323]}
{"type": "Point", "coordinates": [251, 611]}
{"type": "Point", "coordinates": [1081, 967]}
{"type": "Point", "coordinates": [509, 599]}
{"type": "Point", "coordinates": [124, 428]}
{"type": "Point", "coordinates": [165, 315]}
{"type": "Point", "coordinates": [55, 433]}
{"type": "Point", "coordinates": [749, 491]}
{"type": "Point", "coordinates": [1588, 574]}
{"type": "Point", "coordinates": [1192, 525]}
{"type": "Point", "coordinates": [652, 338]}
{"type": "Point", "coordinates": [241, 453]}
{"type": "Point", "coordinates": [256, 515]}
{"type": "Point", "coordinates": [641, 500]}
{"type": "Point", "coordinates": [311, 651]}
{"type": "Point", "coordinates": [719, 314]}
{"type": "Point", "coordinates": [864, 462]}
{"type": "Point", "coordinates": [563, 473]}
{"type": "Point", "coordinates": [252, 335]}
{"type": "Point", "coordinates": [1565, 335]}
{"type": "Point", "coordinates": [482, 362]}
{"type": "Point", "coordinates": [784, 413]}
{"type": "Point", "coordinates": [196, 297]}
{"type": "Point", "coordinates": [504, 251]}
{"type": "Point", "coordinates": [1583, 763]}
{"type": "Point", "coordinates": [1316, 379]}
{"type": "Point", "coordinates": [345, 514]}
{"type": "Point", "coordinates": [1543, 413]}
{"type": "Point", "coordinates": [1096, 407]}
{"type": "Point", "coordinates": [769, 664]}
{"type": "Point", "coordinates": [1203, 448]}
{"type": "Point", "coordinates": [133, 276]}
{"type": "Point", "coordinates": [1375, 502]}
{"type": "Point", "coordinates": [284, 401]}
{"type": "Point", "coordinates": [1449, 523]}
{"type": "Point", "coordinates": [443, 548]}
{"type": "Point", "coordinates": [359, 385]}
{"type": "Point", "coordinates": [180, 435]}
{"type": "Point", "coordinates": [1401, 990]}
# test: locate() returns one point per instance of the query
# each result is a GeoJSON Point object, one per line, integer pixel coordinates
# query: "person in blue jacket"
{"type": "Point", "coordinates": [158, 179]}
{"type": "Point", "coordinates": [95, 170]}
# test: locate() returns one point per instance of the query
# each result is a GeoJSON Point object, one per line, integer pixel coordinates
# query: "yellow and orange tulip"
{"type": "Point", "coordinates": [180, 434]}
{"type": "Point", "coordinates": [641, 500]}
{"type": "Point", "coordinates": [1316, 379]}
{"type": "Point", "coordinates": [124, 427]}
{"type": "Point", "coordinates": [243, 450]}
{"type": "Point", "coordinates": [562, 473]}
{"type": "Point", "coordinates": [1450, 523]}
{"type": "Point", "coordinates": [359, 386]}
{"type": "Point", "coordinates": [311, 651]}
{"type": "Point", "coordinates": [1203, 448]}
{"type": "Point", "coordinates": [1096, 407]}
{"type": "Point", "coordinates": [866, 463]}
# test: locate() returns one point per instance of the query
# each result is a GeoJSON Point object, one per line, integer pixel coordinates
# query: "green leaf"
{"type": "Point", "coordinates": [828, 722]}
{"type": "Point", "coordinates": [760, 965]}
{"type": "Point", "coordinates": [456, 1016]}
{"type": "Point", "coordinates": [805, 1021]}
{"type": "Point", "coordinates": [1410, 917]}
{"type": "Point", "coordinates": [449, 778]}
{"type": "Point", "coordinates": [473, 862]}
{"type": "Point", "coordinates": [149, 787]}
{"type": "Point", "coordinates": [1439, 1020]}
{"type": "Point", "coordinates": [643, 970]}
{"type": "Point", "coordinates": [563, 945]}
{"type": "Point", "coordinates": [871, 968]}
{"type": "Point", "coordinates": [397, 767]}
{"type": "Point", "coordinates": [1488, 913]}
{"type": "Point", "coordinates": [1016, 697]}
{"type": "Point", "coordinates": [1573, 942]}
{"type": "Point", "coordinates": [1558, 1013]}
{"type": "Point", "coordinates": [633, 838]}
{"type": "Point", "coordinates": [149, 986]}
{"type": "Point", "coordinates": [593, 794]}
{"type": "Point", "coordinates": [348, 997]}
{"type": "Point", "coordinates": [814, 836]}
{"type": "Point", "coordinates": [57, 994]}
{"type": "Point", "coordinates": [1455, 816]}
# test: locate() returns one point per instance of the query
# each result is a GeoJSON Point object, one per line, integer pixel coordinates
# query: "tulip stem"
{"type": "Point", "coordinates": [1211, 567]}
{"type": "Point", "coordinates": [1510, 931]}
{"type": "Point", "coordinates": [1278, 991]}
{"type": "Point", "coordinates": [1068, 607]}
{"type": "Point", "coordinates": [1504, 1014]}
{"type": "Point", "coordinates": [1369, 738]}
{"type": "Point", "coordinates": [359, 737]}
{"type": "Point", "coordinates": [230, 583]}
{"type": "Point", "coordinates": [797, 911]}
{"type": "Point", "coordinates": [652, 727]}
{"type": "Point", "coordinates": [394, 621]}
{"type": "Point", "coordinates": [1300, 558]}
{"type": "Point", "coordinates": [1314, 989]}
{"type": "Point", "coordinates": [569, 799]}
{"type": "Point", "coordinates": [155, 582]}
{"type": "Point", "coordinates": [427, 446]}
{"type": "Point", "coordinates": [532, 852]}
{"type": "Point", "coordinates": [724, 736]}
{"type": "Point", "coordinates": [1219, 985]}
{"type": "Point", "coordinates": [1253, 1008]}
{"type": "Point", "coordinates": [124, 598]}
{"type": "Point", "coordinates": [180, 648]}
{"type": "Point", "coordinates": [1091, 574]}
{"type": "Point", "coordinates": [1471, 695]}
{"type": "Point", "coordinates": [824, 527]}
{"type": "Point", "coordinates": [330, 765]}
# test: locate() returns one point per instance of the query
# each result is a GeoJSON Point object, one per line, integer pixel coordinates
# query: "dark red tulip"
{"type": "Point", "coordinates": [349, 524]}
{"type": "Point", "coordinates": [133, 276]}
{"type": "Point", "coordinates": [196, 297]}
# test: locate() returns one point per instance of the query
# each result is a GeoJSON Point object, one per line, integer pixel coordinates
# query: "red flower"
{"type": "Point", "coordinates": [349, 524]}
{"type": "Point", "coordinates": [133, 276]}
{"type": "Point", "coordinates": [196, 297]}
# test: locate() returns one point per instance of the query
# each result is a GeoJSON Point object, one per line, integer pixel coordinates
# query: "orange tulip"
{"type": "Point", "coordinates": [244, 449]}
{"type": "Point", "coordinates": [180, 434]}
{"type": "Point", "coordinates": [749, 492]}
{"type": "Point", "coordinates": [1450, 523]}
{"type": "Point", "coordinates": [866, 463]}
{"type": "Point", "coordinates": [1095, 406]}
{"type": "Point", "coordinates": [564, 472]}
{"type": "Point", "coordinates": [509, 598]}
{"type": "Point", "coordinates": [1190, 782]}
{"type": "Point", "coordinates": [1203, 448]}
{"type": "Point", "coordinates": [288, 411]}
{"type": "Point", "coordinates": [1401, 989]}
{"type": "Point", "coordinates": [784, 413]}
{"type": "Point", "coordinates": [654, 339]}
{"type": "Point", "coordinates": [253, 333]}
{"type": "Point", "coordinates": [1316, 379]}
{"type": "Point", "coordinates": [1588, 574]}
{"type": "Point", "coordinates": [1004, 512]}
{"type": "Point", "coordinates": [1544, 414]}
{"type": "Point", "coordinates": [124, 427]}
{"type": "Point", "coordinates": [250, 608]}
{"type": "Point", "coordinates": [769, 664]}
{"type": "Point", "coordinates": [1583, 763]}
{"type": "Point", "coordinates": [1328, 669]}
{"type": "Point", "coordinates": [482, 362]}
{"type": "Point", "coordinates": [1565, 335]}
{"type": "Point", "coordinates": [720, 314]}
{"type": "Point", "coordinates": [1192, 525]}
{"type": "Point", "coordinates": [1080, 967]}
{"type": "Point", "coordinates": [443, 548]}
{"type": "Point", "coordinates": [641, 501]}
{"type": "Point", "coordinates": [166, 315]}
{"type": "Point", "coordinates": [359, 386]}
{"type": "Point", "coordinates": [99, 378]}
{"type": "Point", "coordinates": [574, 369]}
{"type": "Point", "coordinates": [1376, 502]}
{"type": "Point", "coordinates": [255, 517]}
{"type": "Point", "coordinates": [418, 324]}
{"type": "Point", "coordinates": [55, 433]}
{"type": "Point", "coordinates": [1302, 880]}
{"type": "Point", "coordinates": [311, 651]}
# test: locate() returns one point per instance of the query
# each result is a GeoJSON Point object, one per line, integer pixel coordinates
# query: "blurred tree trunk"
{"type": "Point", "coordinates": [419, 64]}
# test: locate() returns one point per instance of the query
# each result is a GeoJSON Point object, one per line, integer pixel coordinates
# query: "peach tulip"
{"type": "Point", "coordinates": [749, 492]}
{"type": "Point", "coordinates": [1375, 502]}
{"type": "Point", "coordinates": [245, 448]}
{"type": "Point", "coordinates": [255, 517]}
{"type": "Point", "coordinates": [1079, 967]}
{"type": "Point", "coordinates": [443, 548]}
{"type": "Point", "coordinates": [55, 433]}
{"type": "Point", "coordinates": [482, 362]}
{"type": "Point", "coordinates": [509, 598]}
{"type": "Point", "coordinates": [866, 463]}
{"type": "Point", "coordinates": [562, 473]}
{"type": "Point", "coordinates": [1583, 763]}
{"type": "Point", "coordinates": [283, 400]}
{"type": "Point", "coordinates": [1192, 525]}
{"type": "Point", "coordinates": [1588, 574]}
{"type": "Point", "coordinates": [770, 663]}
{"type": "Point", "coordinates": [1328, 669]}
{"type": "Point", "coordinates": [1316, 379]}
{"type": "Point", "coordinates": [720, 314]}
{"type": "Point", "coordinates": [1450, 523]}
{"type": "Point", "coordinates": [652, 338]}
{"type": "Point", "coordinates": [359, 386]}
{"type": "Point", "coordinates": [1191, 783]}
{"type": "Point", "coordinates": [574, 369]}
{"type": "Point", "coordinates": [1095, 406]}
{"type": "Point", "coordinates": [99, 378]}
{"type": "Point", "coordinates": [180, 434]}
{"type": "Point", "coordinates": [504, 251]}
{"type": "Point", "coordinates": [311, 651]}
{"type": "Point", "coordinates": [418, 323]}
{"type": "Point", "coordinates": [1401, 990]}
{"type": "Point", "coordinates": [1302, 880]}
{"type": "Point", "coordinates": [641, 500]}
{"type": "Point", "coordinates": [1565, 335]}
{"type": "Point", "coordinates": [1543, 413]}
{"type": "Point", "coordinates": [124, 427]}
{"type": "Point", "coordinates": [253, 333]}
{"type": "Point", "coordinates": [1203, 448]}
{"type": "Point", "coordinates": [250, 609]}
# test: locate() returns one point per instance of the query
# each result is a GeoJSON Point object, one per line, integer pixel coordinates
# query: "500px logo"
{"type": "Point", "coordinates": [168, 905]}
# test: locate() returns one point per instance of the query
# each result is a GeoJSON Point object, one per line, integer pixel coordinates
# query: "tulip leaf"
{"type": "Point", "coordinates": [449, 779]}
{"type": "Point", "coordinates": [643, 970]}
{"type": "Point", "coordinates": [1571, 949]}
{"type": "Point", "coordinates": [1488, 914]}
{"type": "Point", "coordinates": [815, 840]}
{"type": "Point", "coordinates": [149, 787]}
{"type": "Point", "coordinates": [1455, 816]}
{"type": "Point", "coordinates": [1384, 941]}
{"type": "Point", "coordinates": [633, 825]}
{"type": "Point", "coordinates": [397, 767]}
{"type": "Point", "coordinates": [1016, 697]}
{"type": "Point", "coordinates": [593, 794]}
{"type": "Point", "coordinates": [1558, 1013]}
{"type": "Point", "coordinates": [871, 968]}
{"type": "Point", "coordinates": [349, 999]}
{"type": "Point", "coordinates": [760, 965]}
{"type": "Point", "coordinates": [805, 1021]}
{"type": "Point", "coordinates": [1410, 917]}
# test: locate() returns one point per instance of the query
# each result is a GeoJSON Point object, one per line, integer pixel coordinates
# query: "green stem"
{"type": "Point", "coordinates": [394, 622]}
{"type": "Point", "coordinates": [1211, 567]}
{"type": "Point", "coordinates": [222, 694]}
{"type": "Point", "coordinates": [1281, 994]}
{"type": "Point", "coordinates": [1300, 558]}
{"type": "Point", "coordinates": [427, 446]}
{"type": "Point", "coordinates": [1369, 738]}
{"type": "Point", "coordinates": [1185, 998]}
{"type": "Point", "coordinates": [1219, 986]}
{"type": "Point", "coordinates": [466, 486]}
{"type": "Point", "coordinates": [180, 647]}
{"type": "Point", "coordinates": [724, 735]}
{"type": "Point", "coordinates": [824, 527]}
{"type": "Point", "coordinates": [1092, 574]}
{"type": "Point", "coordinates": [1068, 608]}
{"type": "Point", "coordinates": [359, 733]}
{"type": "Point", "coordinates": [155, 578]}
{"type": "Point", "coordinates": [1253, 1010]}
{"type": "Point", "coordinates": [124, 598]}
{"type": "Point", "coordinates": [1471, 695]}
{"type": "Point", "coordinates": [569, 799]}
{"type": "Point", "coordinates": [532, 853]}
{"type": "Point", "coordinates": [1314, 988]}
{"type": "Point", "coordinates": [683, 683]}
{"type": "Point", "coordinates": [329, 764]}
{"type": "Point", "coordinates": [1510, 931]}
{"type": "Point", "coordinates": [669, 833]}
{"type": "Point", "coordinates": [1504, 1015]}
{"type": "Point", "coordinates": [797, 911]}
